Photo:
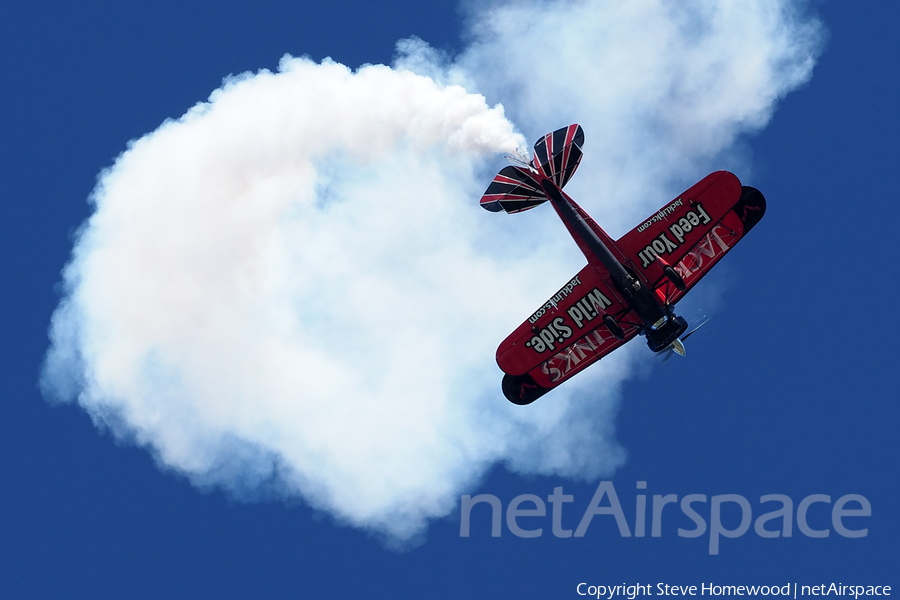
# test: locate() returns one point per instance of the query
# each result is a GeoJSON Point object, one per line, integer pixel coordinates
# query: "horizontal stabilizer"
{"type": "Point", "coordinates": [513, 190]}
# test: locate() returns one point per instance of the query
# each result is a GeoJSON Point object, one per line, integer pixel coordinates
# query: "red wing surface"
{"type": "Point", "coordinates": [565, 335]}
{"type": "Point", "coordinates": [693, 232]}
{"type": "Point", "coordinates": [557, 154]}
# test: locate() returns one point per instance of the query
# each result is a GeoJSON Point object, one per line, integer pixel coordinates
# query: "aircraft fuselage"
{"type": "Point", "coordinates": [660, 324]}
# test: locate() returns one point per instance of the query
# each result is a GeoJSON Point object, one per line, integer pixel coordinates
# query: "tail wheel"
{"type": "Point", "coordinates": [614, 328]}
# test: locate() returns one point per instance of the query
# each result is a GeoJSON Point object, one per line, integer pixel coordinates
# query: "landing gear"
{"type": "Point", "coordinates": [614, 328]}
{"type": "Point", "coordinates": [674, 277]}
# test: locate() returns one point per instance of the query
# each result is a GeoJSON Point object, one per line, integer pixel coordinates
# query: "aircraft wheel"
{"type": "Point", "coordinates": [614, 328]}
{"type": "Point", "coordinates": [674, 277]}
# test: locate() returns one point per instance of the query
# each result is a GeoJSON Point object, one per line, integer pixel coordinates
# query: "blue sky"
{"type": "Point", "coordinates": [788, 390]}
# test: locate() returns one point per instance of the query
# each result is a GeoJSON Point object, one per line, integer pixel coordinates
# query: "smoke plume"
{"type": "Point", "coordinates": [292, 291]}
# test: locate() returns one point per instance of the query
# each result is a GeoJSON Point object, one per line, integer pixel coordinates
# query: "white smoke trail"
{"type": "Point", "coordinates": [291, 289]}
{"type": "Point", "coordinates": [661, 87]}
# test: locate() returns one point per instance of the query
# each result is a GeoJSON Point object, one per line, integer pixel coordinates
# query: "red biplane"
{"type": "Point", "coordinates": [630, 285]}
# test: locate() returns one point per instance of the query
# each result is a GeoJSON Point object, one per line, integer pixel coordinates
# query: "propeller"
{"type": "Point", "coordinates": [677, 347]}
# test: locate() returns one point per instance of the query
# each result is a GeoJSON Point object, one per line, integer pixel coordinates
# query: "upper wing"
{"type": "Point", "coordinates": [693, 232]}
{"type": "Point", "coordinates": [567, 333]}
